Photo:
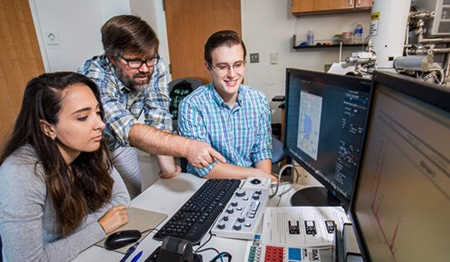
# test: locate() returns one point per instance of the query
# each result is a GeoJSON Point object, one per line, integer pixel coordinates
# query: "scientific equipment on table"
{"type": "Point", "coordinates": [242, 215]}
{"type": "Point", "coordinates": [404, 32]}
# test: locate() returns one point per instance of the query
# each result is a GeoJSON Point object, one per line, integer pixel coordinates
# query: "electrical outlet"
{"type": "Point", "coordinates": [254, 58]}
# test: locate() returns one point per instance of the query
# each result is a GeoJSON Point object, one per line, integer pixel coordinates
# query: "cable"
{"type": "Point", "coordinates": [221, 255]}
{"type": "Point", "coordinates": [151, 230]}
{"type": "Point", "coordinates": [206, 249]}
{"type": "Point", "coordinates": [441, 72]}
{"type": "Point", "coordinates": [279, 177]}
{"type": "Point", "coordinates": [202, 245]}
{"type": "Point", "coordinates": [297, 176]}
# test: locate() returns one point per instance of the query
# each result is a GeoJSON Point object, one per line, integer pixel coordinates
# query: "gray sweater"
{"type": "Point", "coordinates": [28, 219]}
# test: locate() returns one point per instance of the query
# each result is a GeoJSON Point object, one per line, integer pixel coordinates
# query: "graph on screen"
{"type": "Point", "coordinates": [405, 180]}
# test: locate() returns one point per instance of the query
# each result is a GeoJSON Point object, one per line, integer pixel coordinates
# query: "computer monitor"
{"type": "Point", "coordinates": [324, 119]}
{"type": "Point", "coordinates": [401, 205]}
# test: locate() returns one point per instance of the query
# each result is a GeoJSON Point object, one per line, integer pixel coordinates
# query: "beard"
{"type": "Point", "coordinates": [132, 82]}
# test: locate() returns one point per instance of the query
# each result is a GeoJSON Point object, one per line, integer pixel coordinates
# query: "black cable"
{"type": "Point", "coordinates": [152, 229]}
{"type": "Point", "coordinates": [202, 245]}
{"type": "Point", "coordinates": [221, 255]}
{"type": "Point", "coordinates": [206, 249]}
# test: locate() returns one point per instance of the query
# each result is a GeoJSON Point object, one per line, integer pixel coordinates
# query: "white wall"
{"type": "Point", "coordinates": [268, 27]}
{"type": "Point", "coordinates": [77, 26]}
{"type": "Point", "coordinates": [152, 12]}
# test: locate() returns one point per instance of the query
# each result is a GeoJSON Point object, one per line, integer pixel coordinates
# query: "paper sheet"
{"type": "Point", "coordinates": [302, 226]}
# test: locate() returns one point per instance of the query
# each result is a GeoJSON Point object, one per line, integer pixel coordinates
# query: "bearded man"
{"type": "Point", "coordinates": [133, 80]}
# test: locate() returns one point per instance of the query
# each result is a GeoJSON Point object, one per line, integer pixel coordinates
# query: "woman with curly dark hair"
{"type": "Point", "coordinates": [58, 191]}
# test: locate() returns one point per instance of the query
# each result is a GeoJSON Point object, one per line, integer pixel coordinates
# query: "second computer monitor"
{"type": "Point", "coordinates": [324, 119]}
{"type": "Point", "coordinates": [401, 205]}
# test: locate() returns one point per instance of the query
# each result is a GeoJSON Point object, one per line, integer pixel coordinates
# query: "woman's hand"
{"type": "Point", "coordinates": [114, 218]}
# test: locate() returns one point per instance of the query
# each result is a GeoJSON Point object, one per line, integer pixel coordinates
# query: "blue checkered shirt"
{"type": "Point", "coordinates": [122, 106]}
{"type": "Point", "coordinates": [242, 134]}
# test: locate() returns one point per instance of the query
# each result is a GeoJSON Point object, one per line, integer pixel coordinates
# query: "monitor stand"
{"type": "Point", "coordinates": [314, 196]}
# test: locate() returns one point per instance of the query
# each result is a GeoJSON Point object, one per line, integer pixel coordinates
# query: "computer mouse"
{"type": "Point", "coordinates": [122, 238]}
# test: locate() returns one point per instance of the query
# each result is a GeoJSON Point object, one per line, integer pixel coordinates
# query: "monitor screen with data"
{"type": "Point", "coordinates": [401, 207]}
{"type": "Point", "coordinates": [324, 119]}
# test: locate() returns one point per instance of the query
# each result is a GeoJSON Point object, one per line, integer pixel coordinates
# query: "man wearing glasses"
{"type": "Point", "coordinates": [133, 80]}
{"type": "Point", "coordinates": [233, 118]}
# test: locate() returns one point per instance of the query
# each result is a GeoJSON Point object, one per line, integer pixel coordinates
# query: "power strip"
{"type": "Point", "coordinates": [242, 215]}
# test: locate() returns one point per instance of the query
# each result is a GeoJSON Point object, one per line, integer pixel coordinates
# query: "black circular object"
{"type": "Point", "coordinates": [255, 181]}
{"type": "Point", "coordinates": [122, 238]}
{"type": "Point", "coordinates": [314, 196]}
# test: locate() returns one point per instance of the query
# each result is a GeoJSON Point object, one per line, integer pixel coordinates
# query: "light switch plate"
{"type": "Point", "coordinates": [274, 58]}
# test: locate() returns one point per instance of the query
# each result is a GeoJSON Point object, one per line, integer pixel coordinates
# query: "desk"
{"type": "Point", "coordinates": [167, 196]}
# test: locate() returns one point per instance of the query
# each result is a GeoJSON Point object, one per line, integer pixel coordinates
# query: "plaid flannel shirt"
{"type": "Point", "coordinates": [122, 106]}
{"type": "Point", "coordinates": [242, 134]}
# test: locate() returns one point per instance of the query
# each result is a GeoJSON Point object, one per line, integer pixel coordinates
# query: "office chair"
{"type": "Point", "coordinates": [277, 151]}
{"type": "Point", "coordinates": [177, 95]}
{"type": "Point", "coordinates": [194, 82]}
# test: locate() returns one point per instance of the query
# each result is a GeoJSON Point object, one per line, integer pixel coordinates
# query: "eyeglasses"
{"type": "Point", "coordinates": [137, 63]}
{"type": "Point", "coordinates": [224, 68]}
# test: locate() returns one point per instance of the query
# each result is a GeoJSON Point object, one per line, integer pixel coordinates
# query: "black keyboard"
{"type": "Point", "coordinates": [195, 217]}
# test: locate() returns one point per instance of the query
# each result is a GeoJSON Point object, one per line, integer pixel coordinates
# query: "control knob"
{"type": "Point", "coordinates": [240, 193]}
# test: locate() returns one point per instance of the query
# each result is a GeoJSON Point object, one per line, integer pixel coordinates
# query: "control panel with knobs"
{"type": "Point", "coordinates": [244, 211]}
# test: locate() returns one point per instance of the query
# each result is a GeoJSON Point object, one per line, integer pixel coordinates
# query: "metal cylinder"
{"type": "Point", "coordinates": [414, 62]}
{"type": "Point", "coordinates": [388, 30]}
{"type": "Point", "coordinates": [434, 41]}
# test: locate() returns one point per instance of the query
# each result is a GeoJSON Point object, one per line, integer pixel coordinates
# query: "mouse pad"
{"type": "Point", "coordinates": [138, 219]}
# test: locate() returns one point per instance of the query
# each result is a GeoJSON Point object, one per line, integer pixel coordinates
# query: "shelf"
{"type": "Point", "coordinates": [327, 46]}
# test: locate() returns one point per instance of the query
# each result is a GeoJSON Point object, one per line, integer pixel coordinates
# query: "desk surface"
{"type": "Point", "coordinates": [167, 196]}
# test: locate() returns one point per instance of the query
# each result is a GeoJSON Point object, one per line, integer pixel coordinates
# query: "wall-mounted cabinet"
{"type": "Point", "coordinates": [308, 7]}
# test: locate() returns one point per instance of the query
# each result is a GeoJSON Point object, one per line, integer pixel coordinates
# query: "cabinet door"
{"type": "Point", "coordinates": [363, 4]}
{"type": "Point", "coordinates": [333, 5]}
{"type": "Point", "coordinates": [303, 6]}
{"type": "Point", "coordinates": [322, 6]}
{"type": "Point", "coordinates": [20, 60]}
